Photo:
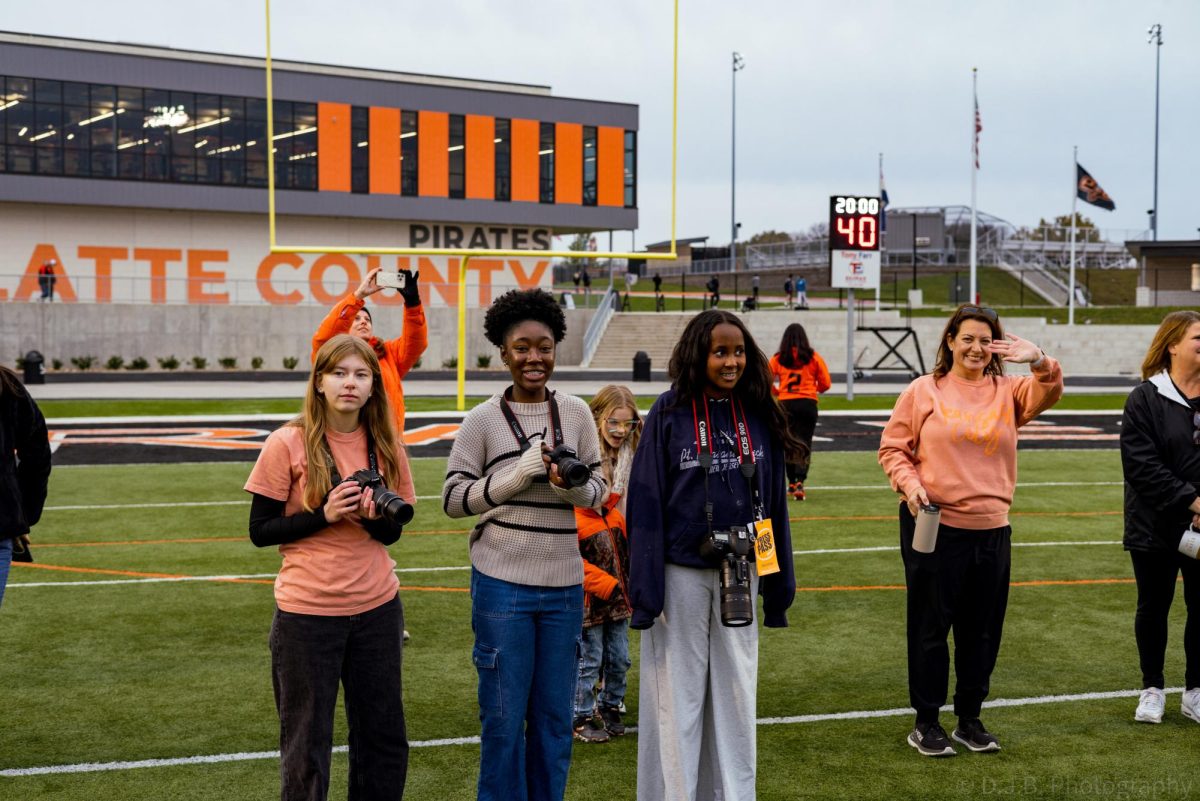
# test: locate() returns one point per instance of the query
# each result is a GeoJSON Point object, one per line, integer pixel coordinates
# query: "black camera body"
{"type": "Point", "coordinates": [573, 472]}
{"type": "Point", "coordinates": [391, 506]}
{"type": "Point", "coordinates": [731, 549]}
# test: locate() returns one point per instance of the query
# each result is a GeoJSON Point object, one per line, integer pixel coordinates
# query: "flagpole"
{"type": "Point", "coordinates": [882, 247]}
{"type": "Point", "coordinates": [1074, 201]}
{"type": "Point", "coordinates": [974, 169]}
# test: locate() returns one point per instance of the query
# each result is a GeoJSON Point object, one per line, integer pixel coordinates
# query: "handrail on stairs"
{"type": "Point", "coordinates": [598, 325]}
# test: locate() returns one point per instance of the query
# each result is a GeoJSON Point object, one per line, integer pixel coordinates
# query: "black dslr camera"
{"type": "Point", "coordinates": [573, 472]}
{"type": "Point", "coordinates": [732, 548]}
{"type": "Point", "coordinates": [394, 509]}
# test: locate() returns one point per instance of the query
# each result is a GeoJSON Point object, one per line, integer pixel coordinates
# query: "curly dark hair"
{"type": "Point", "coordinates": [688, 371]}
{"type": "Point", "coordinates": [518, 305]}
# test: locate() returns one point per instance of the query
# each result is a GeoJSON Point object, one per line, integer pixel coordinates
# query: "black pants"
{"type": "Point", "coordinates": [1156, 573]}
{"type": "Point", "coordinates": [309, 655]}
{"type": "Point", "coordinates": [802, 419]}
{"type": "Point", "coordinates": [962, 585]}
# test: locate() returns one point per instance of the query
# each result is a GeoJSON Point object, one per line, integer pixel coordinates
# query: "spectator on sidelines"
{"type": "Point", "coordinates": [714, 291]}
{"type": "Point", "coordinates": [1160, 453]}
{"type": "Point", "coordinates": [526, 574]}
{"type": "Point", "coordinates": [709, 470]}
{"type": "Point", "coordinates": [338, 617]}
{"type": "Point", "coordinates": [604, 545]}
{"type": "Point", "coordinates": [800, 376]}
{"type": "Point", "coordinates": [396, 356]}
{"type": "Point", "coordinates": [952, 441]}
{"type": "Point", "coordinates": [789, 289]}
{"type": "Point", "coordinates": [46, 280]}
{"type": "Point", "coordinates": [24, 470]}
{"type": "Point", "coordinates": [801, 287]}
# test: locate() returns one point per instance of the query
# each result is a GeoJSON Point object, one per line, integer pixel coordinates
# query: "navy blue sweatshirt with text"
{"type": "Point", "coordinates": [665, 511]}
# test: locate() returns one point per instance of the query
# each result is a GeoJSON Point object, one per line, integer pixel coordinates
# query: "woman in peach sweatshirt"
{"type": "Point", "coordinates": [952, 441]}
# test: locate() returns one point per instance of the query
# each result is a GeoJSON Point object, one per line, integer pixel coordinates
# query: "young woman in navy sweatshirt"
{"type": "Point", "coordinates": [711, 462]}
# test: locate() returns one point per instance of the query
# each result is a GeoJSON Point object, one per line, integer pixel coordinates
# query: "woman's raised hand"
{"type": "Point", "coordinates": [1015, 350]}
{"type": "Point", "coordinates": [368, 286]}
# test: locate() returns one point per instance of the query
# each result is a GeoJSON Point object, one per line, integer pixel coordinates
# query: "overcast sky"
{"type": "Point", "coordinates": [826, 88]}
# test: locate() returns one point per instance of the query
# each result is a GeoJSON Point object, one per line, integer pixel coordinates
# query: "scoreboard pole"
{"type": "Point", "coordinates": [849, 344]}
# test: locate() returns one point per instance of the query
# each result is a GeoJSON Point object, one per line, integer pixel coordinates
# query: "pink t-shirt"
{"type": "Point", "coordinates": [340, 570]}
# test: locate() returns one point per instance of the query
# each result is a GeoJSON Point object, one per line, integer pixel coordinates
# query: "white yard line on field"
{"type": "Point", "coordinates": [812, 488]}
{"type": "Point", "coordinates": [459, 568]}
{"type": "Point", "coordinates": [208, 759]}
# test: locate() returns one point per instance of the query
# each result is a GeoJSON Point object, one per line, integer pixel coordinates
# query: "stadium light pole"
{"type": "Point", "coordinates": [1155, 33]}
{"type": "Point", "coordinates": [739, 64]}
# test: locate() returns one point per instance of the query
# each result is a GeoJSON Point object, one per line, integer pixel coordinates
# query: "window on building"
{"type": "Point", "coordinates": [458, 156]}
{"type": "Point", "coordinates": [360, 150]}
{"type": "Point", "coordinates": [631, 169]}
{"type": "Point", "coordinates": [546, 162]}
{"type": "Point", "coordinates": [503, 143]}
{"type": "Point", "coordinates": [408, 153]}
{"type": "Point", "coordinates": [589, 165]}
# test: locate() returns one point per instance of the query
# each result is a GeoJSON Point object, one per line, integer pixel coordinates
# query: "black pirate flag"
{"type": "Point", "coordinates": [1090, 191]}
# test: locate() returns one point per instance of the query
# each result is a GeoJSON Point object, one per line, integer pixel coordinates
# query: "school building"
{"type": "Point", "coordinates": [143, 170]}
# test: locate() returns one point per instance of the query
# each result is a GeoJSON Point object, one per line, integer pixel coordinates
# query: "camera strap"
{"type": "Point", "coordinates": [745, 450]}
{"type": "Point", "coordinates": [335, 478]}
{"type": "Point", "coordinates": [515, 425]}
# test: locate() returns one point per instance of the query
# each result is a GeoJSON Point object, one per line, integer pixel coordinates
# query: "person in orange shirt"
{"type": "Point", "coordinates": [800, 375]}
{"type": "Point", "coordinates": [952, 441]}
{"type": "Point", "coordinates": [396, 356]}
{"type": "Point", "coordinates": [338, 617]}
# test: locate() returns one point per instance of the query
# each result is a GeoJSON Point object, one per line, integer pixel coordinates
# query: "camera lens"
{"type": "Point", "coordinates": [394, 509]}
{"type": "Point", "coordinates": [737, 606]}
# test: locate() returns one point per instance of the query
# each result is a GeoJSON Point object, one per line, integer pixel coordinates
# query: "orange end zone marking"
{"type": "Point", "coordinates": [1032, 583]}
{"type": "Point", "coordinates": [1010, 514]}
{"type": "Point", "coordinates": [41, 545]}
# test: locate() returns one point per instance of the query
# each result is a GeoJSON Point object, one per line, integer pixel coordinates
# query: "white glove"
{"type": "Point", "coordinates": [530, 465]}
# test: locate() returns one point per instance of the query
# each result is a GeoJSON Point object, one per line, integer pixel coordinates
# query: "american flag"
{"type": "Point", "coordinates": [978, 128]}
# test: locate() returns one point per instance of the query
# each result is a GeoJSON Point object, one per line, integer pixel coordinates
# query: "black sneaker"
{"type": "Point", "coordinates": [930, 740]}
{"type": "Point", "coordinates": [588, 731]}
{"type": "Point", "coordinates": [611, 716]}
{"type": "Point", "coordinates": [973, 735]}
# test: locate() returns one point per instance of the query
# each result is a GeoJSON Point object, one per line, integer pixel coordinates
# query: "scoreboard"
{"type": "Point", "coordinates": [854, 258]}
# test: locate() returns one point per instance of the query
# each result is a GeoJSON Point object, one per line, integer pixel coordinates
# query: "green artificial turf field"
{"type": "Point", "coordinates": [110, 657]}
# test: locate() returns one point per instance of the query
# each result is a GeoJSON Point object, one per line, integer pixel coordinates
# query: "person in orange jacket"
{"type": "Point", "coordinates": [604, 545]}
{"type": "Point", "coordinates": [396, 356]}
{"type": "Point", "coordinates": [800, 375]}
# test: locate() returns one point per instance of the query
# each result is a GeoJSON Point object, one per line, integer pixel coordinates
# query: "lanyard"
{"type": "Point", "coordinates": [705, 453]}
{"type": "Point", "coordinates": [515, 425]}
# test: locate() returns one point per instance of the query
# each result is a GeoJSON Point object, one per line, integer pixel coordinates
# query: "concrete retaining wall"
{"type": "Point", "coordinates": [62, 331]}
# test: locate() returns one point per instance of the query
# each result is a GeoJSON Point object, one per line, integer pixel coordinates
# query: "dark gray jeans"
{"type": "Point", "coordinates": [310, 654]}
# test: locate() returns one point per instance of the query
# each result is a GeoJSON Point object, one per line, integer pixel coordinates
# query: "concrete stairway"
{"type": "Point", "coordinates": [629, 332]}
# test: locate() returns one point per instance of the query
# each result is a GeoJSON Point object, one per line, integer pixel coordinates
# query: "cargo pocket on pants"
{"type": "Point", "coordinates": [487, 663]}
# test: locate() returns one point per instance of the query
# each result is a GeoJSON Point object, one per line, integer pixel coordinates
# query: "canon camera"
{"type": "Point", "coordinates": [391, 506]}
{"type": "Point", "coordinates": [573, 472]}
{"type": "Point", "coordinates": [732, 548]}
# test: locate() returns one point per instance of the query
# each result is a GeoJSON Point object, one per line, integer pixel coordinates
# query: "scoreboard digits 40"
{"type": "Point", "coordinates": [854, 257]}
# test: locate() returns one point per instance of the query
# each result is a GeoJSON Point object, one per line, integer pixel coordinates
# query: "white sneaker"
{"type": "Point", "coordinates": [1150, 705]}
{"type": "Point", "coordinates": [1190, 705]}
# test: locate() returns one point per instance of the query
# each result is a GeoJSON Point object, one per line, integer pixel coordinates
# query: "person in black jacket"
{"type": "Point", "coordinates": [1160, 454]}
{"type": "Point", "coordinates": [24, 468]}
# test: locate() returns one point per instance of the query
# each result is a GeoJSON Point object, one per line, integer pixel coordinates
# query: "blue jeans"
{"type": "Point", "coordinates": [526, 651]}
{"type": "Point", "coordinates": [310, 655]}
{"type": "Point", "coordinates": [604, 645]}
{"type": "Point", "coordinates": [6, 548]}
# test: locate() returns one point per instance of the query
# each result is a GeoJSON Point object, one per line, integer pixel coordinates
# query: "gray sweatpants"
{"type": "Point", "coordinates": [696, 707]}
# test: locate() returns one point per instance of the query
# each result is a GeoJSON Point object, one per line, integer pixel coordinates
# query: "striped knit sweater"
{"type": "Point", "coordinates": [526, 530]}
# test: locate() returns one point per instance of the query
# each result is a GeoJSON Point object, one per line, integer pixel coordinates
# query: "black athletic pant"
{"type": "Point", "coordinates": [802, 419]}
{"type": "Point", "coordinates": [1156, 573]}
{"type": "Point", "coordinates": [962, 585]}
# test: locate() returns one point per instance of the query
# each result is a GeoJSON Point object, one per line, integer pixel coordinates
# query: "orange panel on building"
{"type": "Point", "coordinates": [525, 160]}
{"type": "Point", "coordinates": [433, 157]}
{"type": "Point", "coordinates": [384, 136]}
{"type": "Point", "coordinates": [610, 166]}
{"type": "Point", "coordinates": [568, 163]}
{"type": "Point", "coordinates": [481, 157]}
{"type": "Point", "coordinates": [333, 147]}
